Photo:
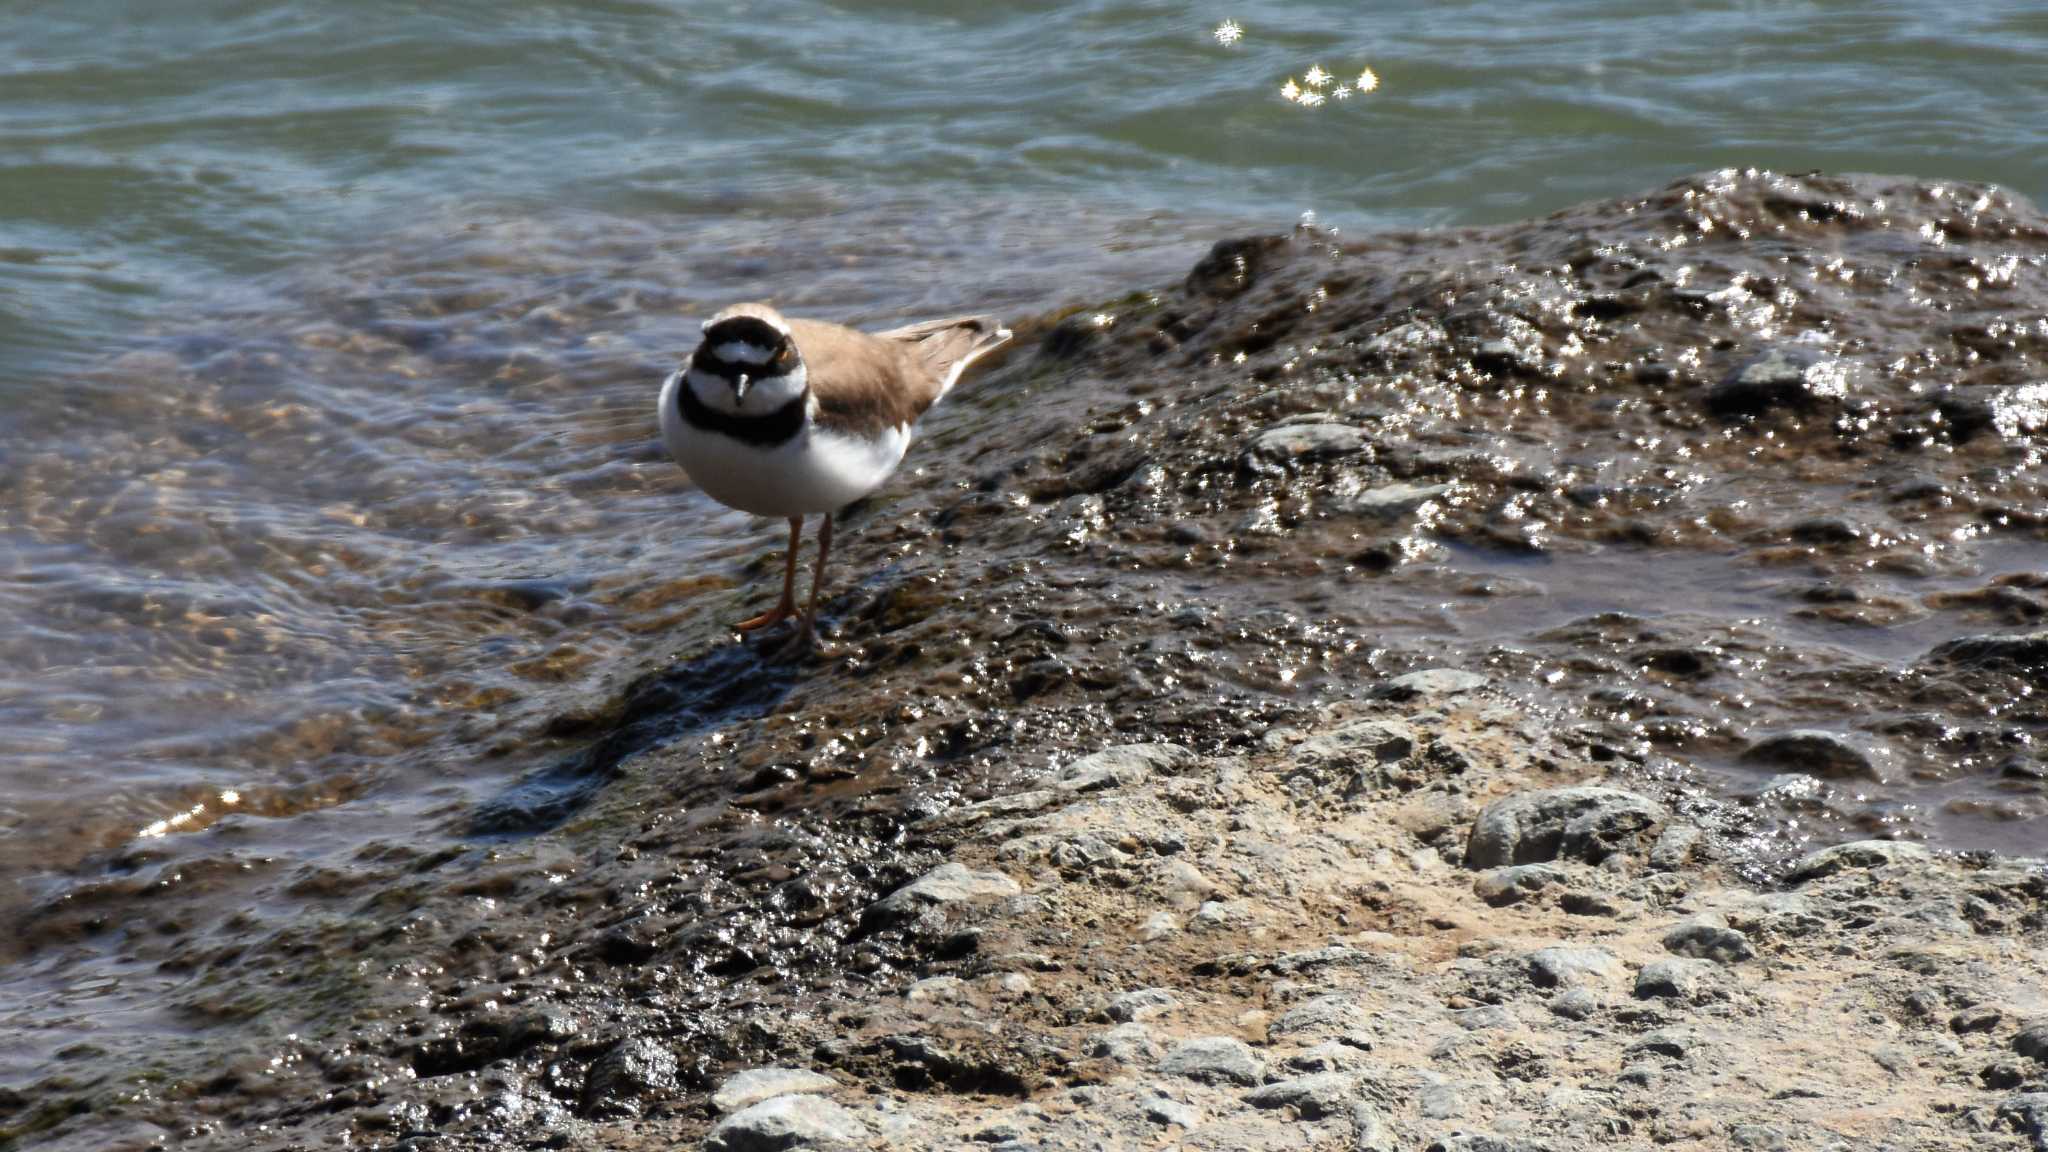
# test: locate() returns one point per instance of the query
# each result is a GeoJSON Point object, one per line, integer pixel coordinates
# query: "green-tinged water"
{"type": "Point", "coordinates": [329, 333]}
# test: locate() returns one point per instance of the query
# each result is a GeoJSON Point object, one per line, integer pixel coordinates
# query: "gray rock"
{"type": "Point", "coordinates": [1587, 822]}
{"type": "Point", "coordinates": [1121, 766]}
{"type": "Point", "coordinates": [1329, 1056]}
{"type": "Point", "coordinates": [1675, 979]}
{"type": "Point", "coordinates": [1289, 443]}
{"type": "Point", "coordinates": [1481, 1142]}
{"type": "Point", "coordinates": [1165, 1110]}
{"type": "Point", "coordinates": [1560, 967]}
{"type": "Point", "coordinates": [1504, 886]}
{"type": "Point", "coordinates": [1390, 501]}
{"type": "Point", "coordinates": [1704, 940]}
{"type": "Point", "coordinates": [1367, 741]}
{"type": "Point", "coordinates": [2028, 1112]}
{"type": "Point", "coordinates": [1574, 1003]}
{"type": "Point", "coordinates": [1857, 854]}
{"type": "Point", "coordinates": [1675, 846]}
{"type": "Point", "coordinates": [1814, 752]}
{"type": "Point", "coordinates": [1983, 1018]}
{"type": "Point", "coordinates": [788, 1122]}
{"type": "Point", "coordinates": [2032, 1042]}
{"type": "Point", "coordinates": [1312, 1097]}
{"type": "Point", "coordinates": [1142, 1004]}
{"type": "Point", "coordinates": [1430, 683]}
{"type": "Point", "coordinates": [1369, 1131]}
{"type": "Point", "coordinates": [1333, 1016]}
{"type": "Point", "coordinates": [947, 884]}
{"type": "Point", "coordinates": [753, 1085]}
{"type": "Point", "coordinates": [1483, 1017]}
{"type": "Point", "coordinates": [1668, 1043]}
{"type": "Point", "coordinates": [1214, 1060]}
{"type": "Point", "coordinates": [1124, 1044]}
{"type": "Point", "coordinates": [629, 1070]}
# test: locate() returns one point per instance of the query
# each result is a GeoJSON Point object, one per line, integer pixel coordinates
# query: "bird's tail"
{"type": "Point", "coordinates": [948, 346]}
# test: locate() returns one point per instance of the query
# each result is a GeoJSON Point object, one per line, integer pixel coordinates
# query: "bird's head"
{"type": "Point", "coordinates": [748, 365]}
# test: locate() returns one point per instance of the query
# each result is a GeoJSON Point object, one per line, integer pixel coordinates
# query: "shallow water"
{"type": "Point", "coordinates": [329, 334]}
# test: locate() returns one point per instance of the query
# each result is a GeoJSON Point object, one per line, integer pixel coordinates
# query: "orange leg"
{"type": "Point", "coordinates": [807, 633]}
{"type": "Point", "coordinates": [787, 607]}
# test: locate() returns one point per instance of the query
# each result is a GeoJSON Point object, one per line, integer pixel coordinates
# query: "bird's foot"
{"type": "Point", "coordinates": [775, 615]}
{"type": "Point", "coordinates": [800, 644]}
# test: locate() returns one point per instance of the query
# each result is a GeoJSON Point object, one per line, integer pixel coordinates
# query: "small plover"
{"type": "Point", "coordinates": [784, 417]}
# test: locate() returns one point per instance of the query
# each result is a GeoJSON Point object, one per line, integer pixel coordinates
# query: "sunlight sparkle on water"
{"type": "Point", "coordinates": [1229, 32]}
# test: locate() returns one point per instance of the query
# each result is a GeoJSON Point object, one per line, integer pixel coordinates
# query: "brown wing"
{"type": "Point", "coordinates": [947, 347]}
{"type": "Point", "coordinates": [863, 384]}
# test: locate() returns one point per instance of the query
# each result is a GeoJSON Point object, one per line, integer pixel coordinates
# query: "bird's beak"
{"type": "Point", "coordinates": [739, 390]}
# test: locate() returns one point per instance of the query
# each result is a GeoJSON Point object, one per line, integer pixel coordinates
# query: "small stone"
{"type": "Point", "coordinates": [1814, 752]}
{"type": "Point", "coordinates": [1142, 1004]}
{"type": "Point", "coordinates": [1159, 926]}
{"type": "Point", "coordinates": [1504, 886]}
{"type": "Point", "coordinates": [1703, 940]}
{"type": "Point", "coordinates": [1329, 1056]}
{"type": "Point", "coordinates": [947, 884]}
{"type": "Point", "coordinates": [1586, 822]}
{"type": "Point", "coordinates": [788, 1122]}
{"type": "Point", "coordinates": [1311, 1097]}
{"type": "Point", "coordinates": [933, 989]}
{"type": "Point", "coordinates": [1121, 766]}
{"type": "Point", "coordinates": [1781, 378]}
{"type": "Point", "coordinates": [1675, 846]}
{"type": "Point", "coordinates": [1124, 1044]}
{"type": "Point", "coordinates": [1560, 967]}
{"type": "Point", "coordinates": [1430, 683]}
{"type": "Point", "coordinates": [2032, 1042]}
{"type": "Point", "coordinates": [1290, 443]}
{"type": "Point", "coordinates": [1674, 979]}
{"type": "Point", "coordinates": [1390, 501]}
{"type": "Point", "coordinates": [1857, 854]}
{"type": "Point", "coordinates": [1982, 1018]}
{"type": "Point", "coordinates": [1670, 1043]}
{"type": "Point", "coordinates": [1164, 1110]}
{"type": "Point", "coordinates": [1214, 1060]}
{"type": "Point", "coordinates": [747, 1088]}
{"type": "Point", "coordinates": [1574, 1003]}
{"type": "Point", "coordinates": [1332, 1016]}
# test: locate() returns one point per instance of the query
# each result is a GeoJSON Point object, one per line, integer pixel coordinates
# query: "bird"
{"type": "Point", "coordinates": [787, 417]}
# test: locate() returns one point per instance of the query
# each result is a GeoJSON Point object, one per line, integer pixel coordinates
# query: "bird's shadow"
{"type": "Point", "coordinates": [728, 682]}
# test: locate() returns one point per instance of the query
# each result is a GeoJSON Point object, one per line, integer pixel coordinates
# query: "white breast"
{"type": "Point", "coordinates": [815, 471]}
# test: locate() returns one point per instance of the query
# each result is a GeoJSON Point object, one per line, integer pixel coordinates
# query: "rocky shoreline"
{"type": "Point", "coordinates": [1198, 763]}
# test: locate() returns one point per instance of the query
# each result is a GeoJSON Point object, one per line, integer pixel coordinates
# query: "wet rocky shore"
{"type": "Point", "coordinates": [1566, 685]}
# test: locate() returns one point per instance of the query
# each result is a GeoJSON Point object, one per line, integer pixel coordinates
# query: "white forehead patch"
{"type": "Point", "coordinates": [742, 352]}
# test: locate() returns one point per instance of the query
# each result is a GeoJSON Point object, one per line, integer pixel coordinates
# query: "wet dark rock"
{"type": "Point", "coordinates": [1816, 753]}
{"type": "Point", "coordinates": [1789, 378]}
{"type": "Point", "coordinates": [627, 1075]}
{"type": "Point", "coordinates": [631, 941]}
{"type": "Point", "coordinates": [1859, 854]}
{"type": "Point", "coordinates": [784, 1123]}
{"type": "Point", "coordinates": [2026, 652]}
{"type": "Point", "coordinates": [1213, 1060]}
{"type": "Point", "coordinates": [1234, 265]}
{"type": "Point", "coordinates": [1588, 822]}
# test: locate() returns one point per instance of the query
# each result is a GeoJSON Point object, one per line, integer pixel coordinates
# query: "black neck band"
{"type": "Point", "coordinates": [761, 431]}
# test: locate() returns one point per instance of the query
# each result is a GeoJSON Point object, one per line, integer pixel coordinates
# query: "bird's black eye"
{"type": "Point", "coordinates": [785, 356]}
